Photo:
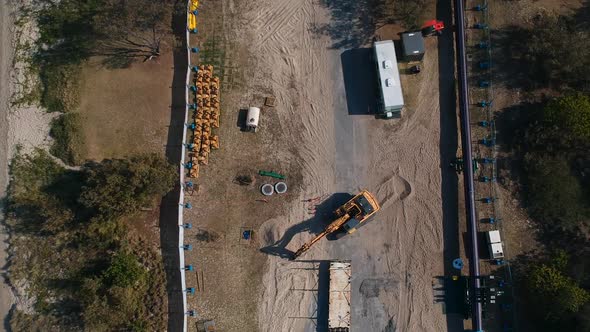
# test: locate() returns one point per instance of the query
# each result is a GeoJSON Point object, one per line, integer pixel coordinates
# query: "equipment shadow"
{"type": "Point", "coordinates": [322, 214]}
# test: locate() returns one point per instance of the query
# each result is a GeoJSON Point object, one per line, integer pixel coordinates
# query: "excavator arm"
{"type": "Point", "coordinates": [334, 226]}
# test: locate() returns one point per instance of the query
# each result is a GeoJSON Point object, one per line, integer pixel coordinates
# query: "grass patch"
{"type": "Point", "coordinates": [68, 141]}
{"type": "Point", "coordinates": [75, 260]}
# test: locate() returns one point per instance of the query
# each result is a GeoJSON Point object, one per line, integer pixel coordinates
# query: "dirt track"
{"type": "Point", "coordinates": [323, 95]}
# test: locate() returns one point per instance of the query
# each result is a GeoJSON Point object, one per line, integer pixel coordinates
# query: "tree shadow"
{"type": "Point", "coordinates": [510, 67]}
{"type": "Point", "coordinates": [353, 22]}
{"type": "Point", "coordinates": [323, 216]}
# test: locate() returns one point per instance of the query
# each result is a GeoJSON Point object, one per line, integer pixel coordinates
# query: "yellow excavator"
{"type": "Point", "coordinates": [349, 217]}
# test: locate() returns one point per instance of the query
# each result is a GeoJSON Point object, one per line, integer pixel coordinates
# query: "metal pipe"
{"type": "Point", "coordinates": [468, 164]}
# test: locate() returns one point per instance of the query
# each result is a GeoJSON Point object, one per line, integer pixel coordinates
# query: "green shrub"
{"type": "Point", "coordinates": [124, 271]}
{"type": "Point", "coordinates": [62, 250]}
{"type": "Point", "coordinates": [67, 138]}
{"type": "Point", "coordinates": [61, 87]}
{"type": "Point", "coordinates": [572, 114]}
{"type": "Point", "coordinates": [120, 187]}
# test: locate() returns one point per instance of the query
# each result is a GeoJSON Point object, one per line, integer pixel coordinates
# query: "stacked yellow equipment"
{"type": "Point", "coordinates": [192, 18]}
{"type": "Point", "coordinates": [206, 118]}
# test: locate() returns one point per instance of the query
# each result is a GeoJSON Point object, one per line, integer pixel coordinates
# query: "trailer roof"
{"type": "Point", "coordinates": [389, 79]}
{"type": "Point", "coordinates": [496, 248]}
{"type": "Point", "coordinates": [494, 236]}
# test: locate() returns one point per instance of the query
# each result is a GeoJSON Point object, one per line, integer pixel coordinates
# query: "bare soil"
{"type": "Point", "coordinates": [126, 111]}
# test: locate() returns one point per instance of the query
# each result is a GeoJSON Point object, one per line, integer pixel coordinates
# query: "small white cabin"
{"type": "Point", "coordinates": [495, 244]}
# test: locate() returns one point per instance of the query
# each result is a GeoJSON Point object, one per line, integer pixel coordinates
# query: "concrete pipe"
{"type": "Point", "coordinates": [281, 187]}
{"type": "Point", "coordinates": [267, 189]}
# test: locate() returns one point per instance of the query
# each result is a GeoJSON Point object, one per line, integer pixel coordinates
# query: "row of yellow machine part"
{"type": "Point", "coordinates": [192, 18]}
{"type": "Point", "coordinates": [206, 118]}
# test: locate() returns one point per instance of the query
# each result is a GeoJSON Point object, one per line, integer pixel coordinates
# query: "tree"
{"type": "Point", "coordinates": [121, 30]}
{"type": "Point", "coordinates": [572, 114]}
{"type": "Point", "coordinates": [555, 195]}
{"type": "Point", "coordinates": [555, 293]}
{"type": "Point", "coordinates": [129, 29]}
{"type": "Point", "coordinates": [558, 51]}
{"type": "Point", "coordinates": [119, 187]}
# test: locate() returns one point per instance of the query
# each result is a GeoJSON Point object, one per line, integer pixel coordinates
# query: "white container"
{"type": "Point", "coordinates": [252, 118]}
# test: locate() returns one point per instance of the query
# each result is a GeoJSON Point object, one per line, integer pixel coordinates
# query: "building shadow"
{"type": "Point", "coordinates": [448, 149]}
{"type": "Point", "coordinates": [360, 81]}
{"type": "Point", "coordinates": [323, 216]}
{"type": "Point", "coordinates": [169, 236]}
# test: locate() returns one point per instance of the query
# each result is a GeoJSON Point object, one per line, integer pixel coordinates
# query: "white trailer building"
{"type": "Point", "coordinates": [495, 244]}
{"type": "Point", "coordinates": [391, 99]}
{"type": "Point", "coordinates": [339, 297]}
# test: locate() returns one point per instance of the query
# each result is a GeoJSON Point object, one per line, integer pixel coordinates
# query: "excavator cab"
{"type": "Point", "coordinates": [351, 225]}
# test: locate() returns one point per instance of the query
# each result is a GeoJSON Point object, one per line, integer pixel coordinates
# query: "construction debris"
{"type": "Point", "coordinates": [270, 101]}
{"type": "Point", "coordinates": [271, 174]}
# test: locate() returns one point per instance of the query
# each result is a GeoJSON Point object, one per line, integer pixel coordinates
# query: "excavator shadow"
{"type": "Point", "coordinates": [323, 216]}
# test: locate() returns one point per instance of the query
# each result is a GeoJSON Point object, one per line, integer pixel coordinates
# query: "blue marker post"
{"type": "Point", "coordinates": [483, 45]}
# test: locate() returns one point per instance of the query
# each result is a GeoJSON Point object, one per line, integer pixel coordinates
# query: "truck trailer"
{"type": "Point", "coordinates": [339, 297]}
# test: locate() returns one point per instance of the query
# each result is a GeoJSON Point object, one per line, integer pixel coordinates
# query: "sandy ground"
{"type": "Point", "coordinates": [24, 126]}
{"type": "Point", "coordinates": [6, 297]}
{"type": "Point", "coordinates": [321, 130]}
{"type": "Point", "coordinates": [396, 255]}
